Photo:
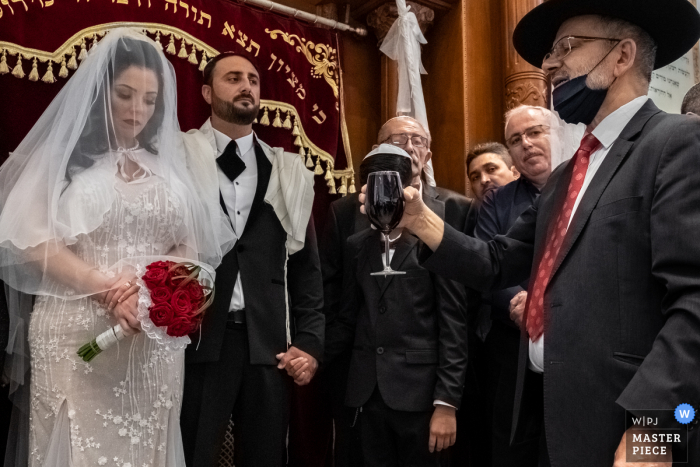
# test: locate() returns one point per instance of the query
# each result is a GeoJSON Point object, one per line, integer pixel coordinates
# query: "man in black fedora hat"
{"type": "Point", "coordinates": [612, 322]}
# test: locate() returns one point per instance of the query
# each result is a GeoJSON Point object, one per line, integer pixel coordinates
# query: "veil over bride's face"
{"type": "Point", "coordinates": [134, 95]}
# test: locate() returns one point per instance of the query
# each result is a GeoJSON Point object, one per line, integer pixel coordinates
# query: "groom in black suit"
{"type": "Point", "coordinates": [265, 329]}
{"type": "Point", "coordinates": [612, 325]}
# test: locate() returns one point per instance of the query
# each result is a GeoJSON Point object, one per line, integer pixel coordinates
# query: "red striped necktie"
{"type": "Point", "coordinates": [535, 303]}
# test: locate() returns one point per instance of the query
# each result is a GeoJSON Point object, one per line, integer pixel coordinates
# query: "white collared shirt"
{"type": "Point", "coordinates": [607, 132]}
{"type": "Point", "coordinates": [238, 195]}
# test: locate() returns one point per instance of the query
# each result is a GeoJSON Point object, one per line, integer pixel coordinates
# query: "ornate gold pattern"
{"type": "Point", "coordinates": [322, 57]}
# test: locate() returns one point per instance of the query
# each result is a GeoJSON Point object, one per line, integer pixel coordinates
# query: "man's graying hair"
{"type": "Point", "coordinates": [646, 46]}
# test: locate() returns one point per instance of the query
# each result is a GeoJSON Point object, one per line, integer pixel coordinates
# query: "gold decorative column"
{"type": "Point", "coordinates": [524, 83]}
{"type": "Point", "coordinates": [380, 20]}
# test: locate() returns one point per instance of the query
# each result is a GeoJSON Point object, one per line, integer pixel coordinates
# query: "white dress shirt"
{"type": "Point", "coordinates": [607, 132]}
{"type": "Point", "coordinates": [238, 195]}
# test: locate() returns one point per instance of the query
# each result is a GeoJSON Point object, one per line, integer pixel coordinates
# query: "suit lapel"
{"type": "Point", "coordinates": [264, 172]}
{"type": "Point", "coordinates": [619, 151]}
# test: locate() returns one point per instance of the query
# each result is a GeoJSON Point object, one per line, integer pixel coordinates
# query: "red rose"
{"type": "Point", "coordinates": [160, 294]}
{"type": "Point", "coordinates": [196, 293]}
{"type": "Point", "coordinates": [181, 327]}
{"type": "Point", "coordinates": [155, 277]}
{"type": "Point", "coordinates": [181, 303]}
{"type": "Point", "coordinates": [161, 314]}
{"type": "Point", "coordinates": [175, 277]}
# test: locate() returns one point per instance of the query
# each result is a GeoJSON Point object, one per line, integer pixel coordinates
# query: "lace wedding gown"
{"type": "Point", "coordinates": [122, 408]}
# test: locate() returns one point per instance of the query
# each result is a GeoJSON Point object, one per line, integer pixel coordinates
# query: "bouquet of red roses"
{"type": "Point", "coordinates": [172, 301]}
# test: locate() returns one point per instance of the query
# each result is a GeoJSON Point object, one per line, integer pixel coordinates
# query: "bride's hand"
{"type": "Point", "coordinates": [123, 287]}
{"type": "Point", "coordinates": [125, 313]}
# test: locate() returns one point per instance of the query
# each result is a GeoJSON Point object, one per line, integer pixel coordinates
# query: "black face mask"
{"type": "Point", "coordinates": [575, 102]}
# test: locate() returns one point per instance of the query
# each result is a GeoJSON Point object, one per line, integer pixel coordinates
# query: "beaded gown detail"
{"type": "Point", "coordinates": [122, 408]}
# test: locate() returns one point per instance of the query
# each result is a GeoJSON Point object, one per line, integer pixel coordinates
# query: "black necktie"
{"type": "Point", "coordinates": [230, 162]}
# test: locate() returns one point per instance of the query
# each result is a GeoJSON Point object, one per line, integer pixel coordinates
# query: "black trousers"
{"type": "Point", "coordinates": [258, 397]}
{"type": "Point", "coordinates": [395, 438]}
{"type": "Point", "coordinates": [502, 348]}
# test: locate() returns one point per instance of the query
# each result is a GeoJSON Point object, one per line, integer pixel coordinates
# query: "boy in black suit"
{"type": "Point", "coordinates": [409, 356]}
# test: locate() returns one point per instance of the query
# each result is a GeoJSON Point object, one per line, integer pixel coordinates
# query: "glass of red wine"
{"type": "Point", "coordinates": [384, 207]}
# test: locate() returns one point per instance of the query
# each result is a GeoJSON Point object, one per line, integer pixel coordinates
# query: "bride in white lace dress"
{"type": "Point", "coordinates": [99, 185]}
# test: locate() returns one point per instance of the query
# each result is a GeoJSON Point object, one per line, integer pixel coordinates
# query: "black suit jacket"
{"type": "Point", "coordinates": [409, 331]}
{"type": "Point", "coordinates": [622, 310]}
{"type": "Point", "coordinates": [260, 256]}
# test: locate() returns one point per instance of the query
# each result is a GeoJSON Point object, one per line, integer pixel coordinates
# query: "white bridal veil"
{"type": "Point", "coordinates": [61, 181]}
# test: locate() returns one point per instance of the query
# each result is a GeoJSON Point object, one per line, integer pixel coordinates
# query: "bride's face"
{"type": "Point", "coordinates": [133, 102]}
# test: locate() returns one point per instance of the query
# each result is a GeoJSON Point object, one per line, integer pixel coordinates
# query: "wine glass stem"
{"type": "Point", "coordinates": [387, 267]}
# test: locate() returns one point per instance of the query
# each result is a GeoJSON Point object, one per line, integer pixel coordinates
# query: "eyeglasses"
{"type": "Point", "coordinates": [401, 140]}
{"type": "Point", "coordinates": [533, 134]}
{"type": "Point", "coordinates": [565, 45]}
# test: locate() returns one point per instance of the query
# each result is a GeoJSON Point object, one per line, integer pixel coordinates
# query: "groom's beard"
{"type": "Point", "coordinates": [227, 111]}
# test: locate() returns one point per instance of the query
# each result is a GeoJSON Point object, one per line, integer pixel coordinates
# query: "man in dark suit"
{"type": "Point", "coordinates": [612, 318]}
{"type": "Point", "coordinates": [266, 317]}
{"type": "Point", "coordinates": [344, 220]}
{"type": "Point", "coordinates": [528, 136]}
{"type": "Point", "coordinates": [407, 367]}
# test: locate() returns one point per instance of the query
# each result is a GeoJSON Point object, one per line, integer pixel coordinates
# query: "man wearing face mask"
{"type": "Point", "coordinates": [528, 136]}
{"type": "Point", "coordinates": [612, 319]}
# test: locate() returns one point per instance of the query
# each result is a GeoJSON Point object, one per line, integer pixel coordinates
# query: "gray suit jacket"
{"type": "Point", "coordinates": [622, 310]}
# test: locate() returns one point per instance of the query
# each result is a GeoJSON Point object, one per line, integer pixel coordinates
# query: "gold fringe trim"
{"type": "Point", "coordinates": [34, 74]}
{"type": "Point", "coordinates": [73, 62]}
{"type": "Point", "coordinates": [3, 64]}
{"type": "Point", "coordinates": [63, 72]}
{"type": "Point", "coordinates": [48, 77]}
{"type": "Point", "coordinates": [183, 50]}
{"type": "Point", "coordinates": [287, 125]}
{"type": "Point", "coordinates": [17, 71]}
{"type": "Point", "coordinates": [265, 120]}
{"type": "Point", "coordinates": [278, 122]}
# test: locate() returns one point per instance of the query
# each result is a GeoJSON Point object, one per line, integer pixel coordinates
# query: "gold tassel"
{"type": "Point", "coordinates": [48, 77]}
{"type": "Point", "coordinates": [352, 185]}
{"type": "Point", "coordinates": [287, 125]}
{"type": "Point", "coordinates": [329, 175]}
{"type": "Point", "coordinates": [94, 41]}
{"type": "Point", "coordinates": [83, 51]}
{"type": "Point", "coordinates": [302, 153]}
{"type": "Point", "coordinates": [63, 72]}
{"type": "Point", "coordinates": [17, 71]}
{"type": "Point", "coordinates": [183, 50]}
{"type": "Point", "coordinates": [73, 62]}
{"type": "Point", "coordinates": [295, 131]}
{"type": "Point", "coordinates": [331, 186]}
{"type": "Point", "coordinates": [3, 64]}
{"type": "Point", "coordinates": [318, 170]}
{"type": "Point", "coordinates": [265, 120]}
{"type": "Point", "coordinates": [171, 45]}
{"type": "Point", "coordinates": [193, 56]}
{"type": "Point", "coordinates": [34, 74]}
{"type": "Point", "coordinates": [297, 142]}
{"type": "Point", "coordinates": [278, 121]}
{"type": "Point", "coordinates": [343, 187]}
{"type": "Point", "coordinates": [204, 61]}
{"type": "Point", "coordinates": [160, 46]}
{"type": "Point", "coordinates": [309, 162]}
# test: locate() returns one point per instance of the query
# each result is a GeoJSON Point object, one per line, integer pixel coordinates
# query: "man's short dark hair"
{"type": "Point", "coordinates": [211, 64]}
{"type": "Point", "coordinates": [691, 101]}
{"type": "Point", "coordinates": [381, 162]}
{"type": "Point", "coordinates": [490, 148]}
